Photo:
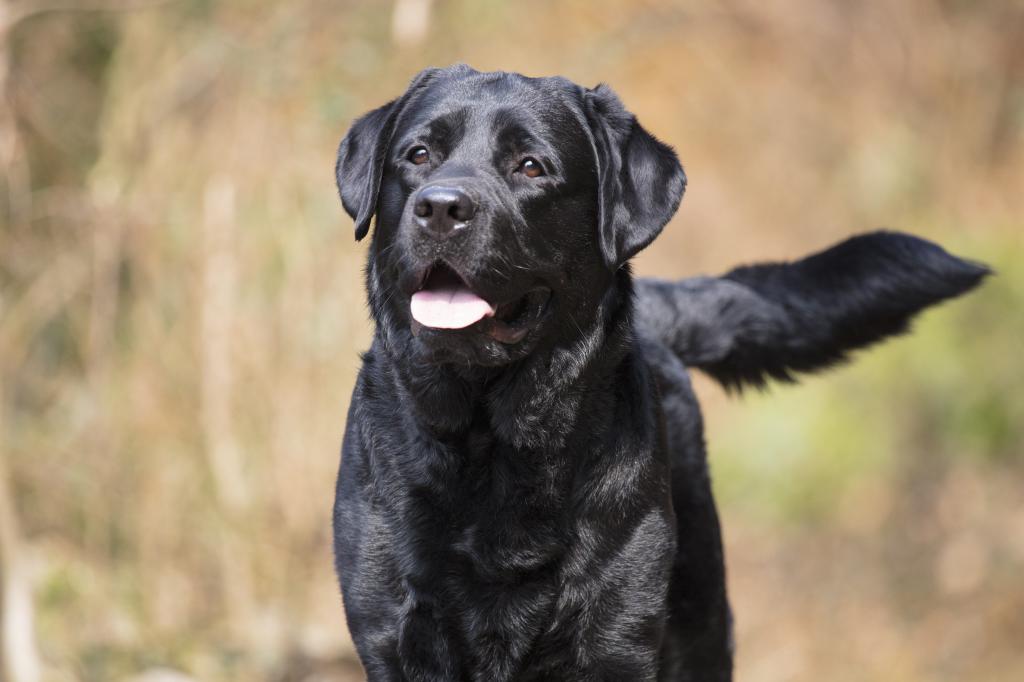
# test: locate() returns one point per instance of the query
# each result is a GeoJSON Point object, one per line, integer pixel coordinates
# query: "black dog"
{"type": "Point", "coordinates": [523, 492]}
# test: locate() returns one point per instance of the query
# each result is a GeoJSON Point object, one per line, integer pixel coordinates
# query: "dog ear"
{"type": "Point", "coordinates": [641, 181]}
{"type": "Point", "coordinates": [363, 153]}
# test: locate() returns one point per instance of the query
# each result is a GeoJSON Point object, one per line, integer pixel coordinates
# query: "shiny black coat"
{"type": "Point", "coordinates": [542, 510]}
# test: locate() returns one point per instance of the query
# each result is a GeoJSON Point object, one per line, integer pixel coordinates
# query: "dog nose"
{"type": "Point", "coordinates": [441, 210]}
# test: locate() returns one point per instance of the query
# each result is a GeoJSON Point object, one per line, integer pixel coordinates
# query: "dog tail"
{"type": "Point", "coordinates": [772, 320]}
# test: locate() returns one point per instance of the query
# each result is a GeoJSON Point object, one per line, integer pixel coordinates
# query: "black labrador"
{"type": "Point", "coordinates": [523, 492]}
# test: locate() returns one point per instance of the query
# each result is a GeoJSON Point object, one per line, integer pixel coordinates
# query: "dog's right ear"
{"type": "Point", "coordinates": [360, 164]}
{"type": "Point", "coordinates": [363, 153]}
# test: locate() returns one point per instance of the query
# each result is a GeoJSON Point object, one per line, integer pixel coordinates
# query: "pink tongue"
{"type": "Point", "coordinates": [449, 307]}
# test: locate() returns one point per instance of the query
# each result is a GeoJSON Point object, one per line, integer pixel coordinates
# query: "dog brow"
{"type": "Point", "coordinates": [449, 128]}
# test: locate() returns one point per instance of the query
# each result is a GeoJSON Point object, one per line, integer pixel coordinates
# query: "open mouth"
{"type": "Point", "coordinates": [445, 301]}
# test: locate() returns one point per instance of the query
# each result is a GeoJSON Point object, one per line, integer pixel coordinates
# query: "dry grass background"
{"type": "Point", "coordinates": [181, 311]}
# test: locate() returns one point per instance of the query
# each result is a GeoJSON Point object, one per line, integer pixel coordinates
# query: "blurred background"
{"type": "Point", "coordinates": [181, 309]}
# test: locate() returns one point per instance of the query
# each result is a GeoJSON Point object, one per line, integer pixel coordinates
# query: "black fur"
{"type": "Point", "coordinates": [541, 509]}
{"type": "Point", "coordinates": [773, 319]}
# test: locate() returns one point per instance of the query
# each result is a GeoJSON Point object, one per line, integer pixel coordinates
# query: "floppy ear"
{"type": "Point", "coordinates": [363, 153]}
{"type": "Point", "coordinates": [360, 164]}
{"type": "Point", "coordinates": [641, 182]}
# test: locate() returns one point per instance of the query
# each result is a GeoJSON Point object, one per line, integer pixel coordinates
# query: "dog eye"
{"type": "Point", "coordinates": [419, 155]}
{"type": "Point", "coordinates": [531, 168]}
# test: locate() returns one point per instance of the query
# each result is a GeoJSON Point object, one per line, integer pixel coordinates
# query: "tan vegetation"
{"type": "Point", "coordinates": [181, 309]}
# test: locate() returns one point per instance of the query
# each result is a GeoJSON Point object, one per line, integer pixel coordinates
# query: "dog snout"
{"type": "Point", "coordinates": [442, 210]}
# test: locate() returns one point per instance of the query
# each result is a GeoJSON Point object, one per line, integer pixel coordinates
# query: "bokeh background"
{"type": "Point", "coordinates": [181, 310]}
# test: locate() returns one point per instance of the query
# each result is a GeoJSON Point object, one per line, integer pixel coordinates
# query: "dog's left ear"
{"type": "Point", "coordinates": [363, 153]}
{"type": "Point", "coordinates": [641, 181]}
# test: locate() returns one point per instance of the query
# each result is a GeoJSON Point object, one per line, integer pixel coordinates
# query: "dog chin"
{"type": "Point", "coordinates": [467, 347]}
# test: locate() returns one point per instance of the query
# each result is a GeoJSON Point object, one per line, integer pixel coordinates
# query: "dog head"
{"type": "Point", "coordinates": [504, 206]}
